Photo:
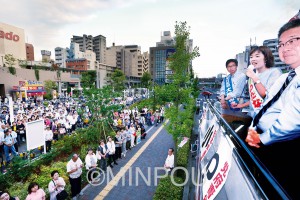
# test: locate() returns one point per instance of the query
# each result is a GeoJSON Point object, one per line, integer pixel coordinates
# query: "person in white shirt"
{"type": "Point", "coordinates": [132, 132]}
{"type": "Point", "coordinates": [90, 163]}
{"type": "Point", "coordinates": [14, 135]}
{"type": "Point", "coordinates": [56, 185]}
{"type": "Point", "coordinates": [48, 138]}
{"type": "Point", "coordinates": [74, 169]}
{"type": "Point", "coordinates": [8, 144]}
{"type": "Point", "coordinates": [111, 152]}
{"type": "Point", "coordinates": [169, 163]}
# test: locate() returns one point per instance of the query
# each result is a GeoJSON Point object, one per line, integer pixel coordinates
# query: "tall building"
{"type": "Point", "coordinates": [96, 44]}
{"type": "Point", "coordinates": [243, 60]}
{"type": "Point", "coordinates": [129, 60]}
{"type": "Point", "coordinates": [46, 55]}
{"type": "Point", "coordinates": [159, 63]}
{"type": "Point", "coordinates": [113, 55]}
{"type": "Point", "coordinates": [159, 58]}
{"type": "Point", "coordinates": [29, 52]}
{"type": "Point", "coordinates": [61, 55]}
{"type": "Point", "coordinates": [73, 53]}
{"type": "Point", "coordinates": [159, 55]}
{"type": "Point", "coordinates": [145, 62]}
{"type": "Point", "coordinates": [272, 43]}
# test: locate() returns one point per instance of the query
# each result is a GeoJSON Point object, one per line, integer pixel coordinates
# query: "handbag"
{"type": "Point", "coordinates": [62, 195]}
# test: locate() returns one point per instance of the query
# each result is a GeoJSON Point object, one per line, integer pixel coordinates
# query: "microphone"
{"type": "Point", "coordinates": [251, 67]}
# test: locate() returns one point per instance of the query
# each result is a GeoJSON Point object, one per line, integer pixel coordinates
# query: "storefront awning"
{"type": "Point", "coordinates": [31, 92]}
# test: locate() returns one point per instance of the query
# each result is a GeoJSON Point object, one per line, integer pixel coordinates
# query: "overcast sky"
{"type": "Point", "coordinates": [220, 28]}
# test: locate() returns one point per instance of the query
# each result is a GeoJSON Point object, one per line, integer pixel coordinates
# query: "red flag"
{"type": "Point", "coordinates": [297, 16]}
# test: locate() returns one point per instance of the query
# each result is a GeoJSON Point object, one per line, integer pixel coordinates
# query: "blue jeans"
{"type": "Point", "coordinates": [6, 151]}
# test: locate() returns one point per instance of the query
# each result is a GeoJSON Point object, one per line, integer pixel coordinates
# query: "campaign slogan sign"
{"type": "Point", "coordinates": [216, 171]}
{"type": "Point", "coordinates": [209, 137]}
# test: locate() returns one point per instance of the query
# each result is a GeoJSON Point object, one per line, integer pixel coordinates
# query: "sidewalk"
{"type": "Point", "coordinates": [141, 159]}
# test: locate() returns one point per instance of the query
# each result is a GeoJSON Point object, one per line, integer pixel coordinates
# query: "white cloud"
{"type": "Point", "coordinates": [221, 29]}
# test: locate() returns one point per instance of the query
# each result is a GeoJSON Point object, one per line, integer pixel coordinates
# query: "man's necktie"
{"type": "Point", "coordinates": [274, 99]}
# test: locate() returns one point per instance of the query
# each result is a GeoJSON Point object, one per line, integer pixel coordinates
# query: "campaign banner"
{"type": "Point", "coordinates": [209, 137]}
{"type": "Point", "coordinates": [216, 171]}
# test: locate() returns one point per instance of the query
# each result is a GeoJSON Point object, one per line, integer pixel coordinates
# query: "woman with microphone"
{"type": "Point", "coordinates": [262, 76]}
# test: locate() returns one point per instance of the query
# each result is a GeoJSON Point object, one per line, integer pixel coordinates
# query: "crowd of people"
{"type": "Point", "coordinates": [60, 118]}
{"type": "Point", "coordinates": [273, 124]}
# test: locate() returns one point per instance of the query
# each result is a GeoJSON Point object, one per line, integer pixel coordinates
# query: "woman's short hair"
{"type": "Point", "coordinates": [266, 51]}
{"type": "Point", "coordinates": [32, 185]}
{"type": "Point", "coordinates": [54, 172]}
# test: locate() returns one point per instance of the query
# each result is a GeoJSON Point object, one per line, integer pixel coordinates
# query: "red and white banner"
{"type": "Point", "coordinates": [216, 171]}
{"type": "Point", "coordinates": [209, 137]}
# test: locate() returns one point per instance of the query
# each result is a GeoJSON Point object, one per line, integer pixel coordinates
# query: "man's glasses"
{"type": "Point", "coordinates": [291, 42]}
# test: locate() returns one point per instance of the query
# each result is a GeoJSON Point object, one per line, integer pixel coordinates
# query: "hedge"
{"type": "Point", "coordinates": [20, 173]}
{"type": "Point", "coordinates": [166, 190]}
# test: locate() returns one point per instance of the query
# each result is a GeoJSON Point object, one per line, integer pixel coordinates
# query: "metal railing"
{"type": "Point", "coordinates": [259, 173]}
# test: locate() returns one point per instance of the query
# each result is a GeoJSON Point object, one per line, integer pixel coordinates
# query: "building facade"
{"type": "Point", "coordinates": [272, 43]}
{"type": "Point", "coordinates": [96, 44]}
{"type": "Point", "coordinates": [145, 62]}
{"type": "Point", "coordinates": [159, 64]}
{"type": "Point", "coordinates": [159, 58]}
{"type": "Point", "coordinates": [61, 55]}
{"type": "Point", "coordinates": [12, 41]}
{"type": "Point", "coordinates": [29, 52]}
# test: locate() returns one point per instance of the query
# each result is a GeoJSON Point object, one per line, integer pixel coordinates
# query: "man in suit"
{"type": "Point", "coordinates": [275, 131]}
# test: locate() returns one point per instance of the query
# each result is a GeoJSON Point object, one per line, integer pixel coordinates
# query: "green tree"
{"type": "Point", "coordinates": [88, 79]}
{"type": "Point", "coordinates": [10, 60]}
{"type": "Point", "coordinates": [49, 87]}
{"type": "Point", "coordinates": [145, 80]}
{"type": "Point", "coordinates": [118, 79]}
{"type": "Point", "coordinates": [99, 102]}
{"type": "Point", "coordinates": [177, 90]}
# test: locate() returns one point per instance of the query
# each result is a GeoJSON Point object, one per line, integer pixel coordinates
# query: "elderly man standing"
{"type": "Point", "coordinates": [74, 169]}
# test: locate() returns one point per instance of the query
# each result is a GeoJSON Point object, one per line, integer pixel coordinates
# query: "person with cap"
{"type": "Point", "coordinates": [74, 169]}
{"type": "Point", "coordinates": [6, 196]}
{"type": "Point", "coordinates": [48, 137]}
{"type": "Point", "coordinates": [8, 144]}
{"type": "Point", "coordinates": [90, 163]}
